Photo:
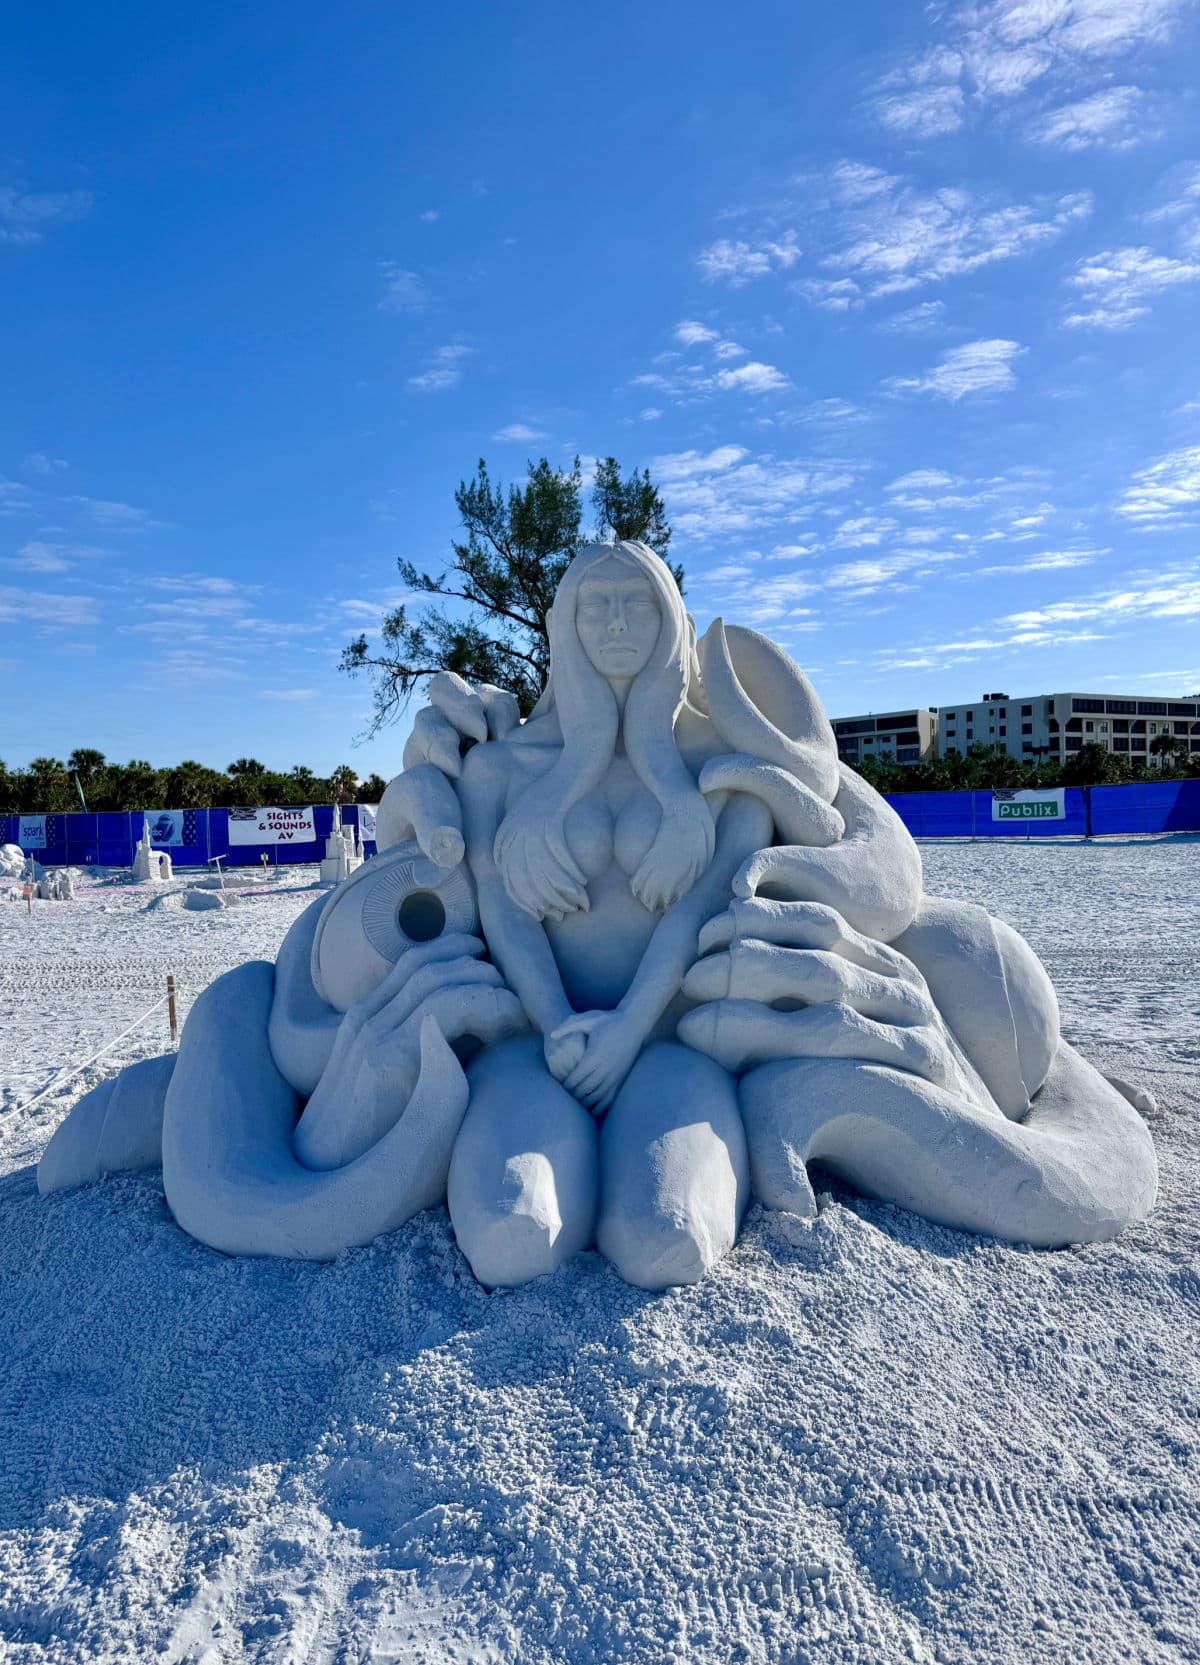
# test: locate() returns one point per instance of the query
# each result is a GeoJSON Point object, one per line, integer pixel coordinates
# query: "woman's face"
{"type": "Point", "coordinates": [617, 619]}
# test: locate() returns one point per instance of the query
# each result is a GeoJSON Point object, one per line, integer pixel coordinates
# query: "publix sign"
{"type": "Point", "coordinates": [1034, 805]}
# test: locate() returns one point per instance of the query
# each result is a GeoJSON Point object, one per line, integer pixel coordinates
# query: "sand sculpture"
{"type": "Point", "coordinates": [616, 970]}
{"type": "Point", "coordinates": [343, 853]}
{"type": "Point", "coordinates": [149, 865]}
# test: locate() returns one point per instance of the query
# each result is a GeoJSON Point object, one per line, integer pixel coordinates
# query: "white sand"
{"type": "Point", "coordinates": [879, 1441]}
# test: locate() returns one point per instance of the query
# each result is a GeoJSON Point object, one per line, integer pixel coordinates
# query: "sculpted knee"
{"type": "Point", "coordinates": [674, 1170]}
{"type": "Point", "coordinates": [523, 1179]}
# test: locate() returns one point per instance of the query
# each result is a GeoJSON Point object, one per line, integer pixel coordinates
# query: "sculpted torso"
{"type": "Point", "coordinates": [615, 970]}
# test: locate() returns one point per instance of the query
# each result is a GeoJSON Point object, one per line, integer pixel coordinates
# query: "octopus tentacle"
{"type": "Point", "coordinates": [231, 1178]}
{"type": "Point", "coordinates": [800, 816]}
{"type": "Point", "coordinates": [872, 876]}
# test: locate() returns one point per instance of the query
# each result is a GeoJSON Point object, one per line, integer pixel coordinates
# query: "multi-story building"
{"type": "Point", "coordinates": [1034, 727]}
{"type": "Point", "coordinates": [900, 736]}
{"type": "Point", "coordinates": [1052, 726]}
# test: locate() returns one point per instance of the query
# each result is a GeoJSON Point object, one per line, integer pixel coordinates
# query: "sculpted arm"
{"type": "Point", "coordinates": [517, 942]}
{"type": "Point", "coordinates": [744, 826]}
{"type": "Point", "coordinates": [614, 1039]}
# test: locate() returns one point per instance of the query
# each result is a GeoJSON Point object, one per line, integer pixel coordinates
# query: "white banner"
{"type": "Point", "coordinates": [366, 821]}
{"type": "Point", "coordinates": [166, 827]}
{"type": "Point", "coordinates": [271, 826]}
{"type": "Point", "coordinates": [1037, 804]}
{"type": "Point", "coordinates": [32, 835]}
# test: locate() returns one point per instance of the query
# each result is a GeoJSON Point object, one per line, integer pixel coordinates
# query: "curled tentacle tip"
{"type": "Point", "coordinates": [445, 847]}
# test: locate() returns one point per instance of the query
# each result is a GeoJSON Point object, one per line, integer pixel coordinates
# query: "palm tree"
{"type": "Point", "coordinates": [1167, 748]}
{"type": "Point", "coordinates": [343, 784]}
{"type": "Point", "coordinates": [86, 761]}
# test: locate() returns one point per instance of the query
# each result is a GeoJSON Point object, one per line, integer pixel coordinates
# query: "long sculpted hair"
{"type": "Point", "coordinates": [531, 851]}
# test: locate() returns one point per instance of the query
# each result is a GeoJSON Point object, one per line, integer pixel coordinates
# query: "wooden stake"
{"type": "Point", "coordinates": [171, 1009]}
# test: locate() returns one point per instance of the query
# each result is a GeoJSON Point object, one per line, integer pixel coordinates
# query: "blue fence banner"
{"type": "Point", "coordinates": [1087, 812]}
{"type": "Point", "coordinates": [109, 838]}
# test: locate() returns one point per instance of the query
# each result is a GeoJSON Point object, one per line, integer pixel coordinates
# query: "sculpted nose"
{"type": "Point", "coordinates": [616, 622]}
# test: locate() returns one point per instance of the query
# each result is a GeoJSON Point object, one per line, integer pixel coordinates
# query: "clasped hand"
{"type": "Point", "coordinates": [592, 1053]}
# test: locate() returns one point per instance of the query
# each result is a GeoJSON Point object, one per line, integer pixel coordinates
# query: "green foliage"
{"type": "Point", "coordinates": [46, 787]}
{"type": "Point", "coordinates": [500, 582]}
{"type": "Point", "coordinates": [985, 767]}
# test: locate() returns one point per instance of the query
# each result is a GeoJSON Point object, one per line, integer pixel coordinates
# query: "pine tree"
{"type": "Point", "coordinates": [502, 576]}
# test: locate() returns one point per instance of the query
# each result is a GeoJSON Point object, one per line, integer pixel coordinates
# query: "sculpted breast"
{"type": "Point", "coordinates": [635, 831]}
{"type": "Point", "coordinates": [588, 829]}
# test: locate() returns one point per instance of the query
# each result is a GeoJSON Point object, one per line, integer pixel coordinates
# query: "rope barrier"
{"type": "Point", "coordinates": [62, 1078]}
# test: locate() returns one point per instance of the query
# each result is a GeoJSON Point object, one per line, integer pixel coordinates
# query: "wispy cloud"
{"type": "Point", "coordinates": [26, 216]}
{"type": "Point", "coordinates": [979, 367]}
{"type": "Point", "coordinates": [736, 262]}
{"type": "Point", "coordinates": [1049, 560]}
{"type": "Point", "coordinates": [922, 319]}
{"type": "Point", "coordinates": [726, 490]}
{"type": "Point", "coordinates": [117, 517]}
{"type": "Point", "coordinates": [692, 334]}
{"type": "Point", "coordinates": [752, 378]}
{"type": "Point", "coordinates": [403, 291]}
{"type": "Point", "coordinates": [61, 610]}
{"type": "Point", "coordinates": [40, 462]}
{"type": "Point", "coordinates": [1119, 285]}
{"type": "Point", "coordinates": [1112, 119]}
{"type": "Point", "coordinates": [1177, 596]}
{"type": "Point", "coordinates": [444, 370]}
{"type": "Point", "coordinates": [686, 381]}
{"type": "Point", "coordinates": [518, 433]}
{"type": "Point", "coordinates": [1164, 491]}
{"type": "Point", "coordinates": [991, 53]}
{"type": "Point", "coordinates": [882, 235]}
{"type": "Point", "coordinates": [39, 556]}
{"type": "Point", "coordinates": [922, 479]}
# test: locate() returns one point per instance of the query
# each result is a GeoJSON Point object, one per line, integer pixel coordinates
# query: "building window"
{"type": "Point", "coordinates": [1180, 709]}
{"type": "Point", "coordinates": [1120, 743]}
{"type": "Point", "coordinates": [1152, 708]}
{"type": "Point", "coordinates": [1002, 731]}
{"type": "Point", "coordinates": [1087, 705]}
{"type": "Point", "coordinates": [949, 716]}
{"type": "Point", "coordinates": [1089, 728]}
{"type": "Point", "coordinates": [1004, 711]}
{"type": "Point", "coordinates": [1026, 728]}
{"type": "Point", "coordinates": [908, 754]}
{"type": "Point", "coordinates": [1127, 707]}
{"type": "Point", "coordinates": [1073, 742]}
{"type": "Point", "coordinates": [1121, 726]}
{"type": "Point", "coordinates": [1027, 711]}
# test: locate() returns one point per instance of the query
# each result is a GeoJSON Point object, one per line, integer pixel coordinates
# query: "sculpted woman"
{"type": "Point", "coordinates": [615, 970]}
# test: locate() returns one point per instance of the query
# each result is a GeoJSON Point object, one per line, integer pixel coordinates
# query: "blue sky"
{"type": "Point", "coordinates": [899, 304]}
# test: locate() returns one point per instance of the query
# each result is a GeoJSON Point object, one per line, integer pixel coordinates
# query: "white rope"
{"type": "Point", "coordinates": [60, 1079]}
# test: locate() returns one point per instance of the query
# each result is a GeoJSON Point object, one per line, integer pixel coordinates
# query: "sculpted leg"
{"type": "Point", "coordinates": [523, 1178]}
{"type": "Point", "coordinates": [674, 1170]}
